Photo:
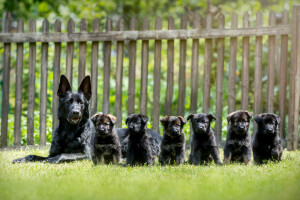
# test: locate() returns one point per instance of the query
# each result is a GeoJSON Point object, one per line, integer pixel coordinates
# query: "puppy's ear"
{"type": "Point", "coordinates": [249, 114]}
{"type": "Point", "coordinates": [211, 117]}
{"type": "Point", "coordinates": [258, 118]}
{"type": "Point", "coordinates": [94, 118]}
{"type": "Point", "coordinates": [190, 117]}
{"type": "Point", "coordinates": [64, 86]}
{"type": "Point", "coordinates": [229, 116]}
{"type": "Point", "coordinates": [183, 120]}
{"type": "Point", "coordinates": [86, 88]}
{"type": "Point", "coordinates": [164, 120]}
{"type": "Point", "coordinates": [112, 118]}
{"type": "Point", "coordinates": [145, 118]}
{"type": "Point", "coordinates": [277, 119]}
{"type": "Point", "coordinates": [128, 118]}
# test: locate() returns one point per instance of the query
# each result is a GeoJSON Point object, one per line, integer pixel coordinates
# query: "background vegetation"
{"type": "Point", "coordinates": [90, 9]}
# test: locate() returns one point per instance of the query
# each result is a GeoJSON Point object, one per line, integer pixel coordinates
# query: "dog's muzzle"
{"type": "Point", "coordinates": [75, 117]}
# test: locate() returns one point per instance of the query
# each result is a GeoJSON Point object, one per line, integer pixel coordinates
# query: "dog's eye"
{"type": "Point", "coordinates": [70, 101]}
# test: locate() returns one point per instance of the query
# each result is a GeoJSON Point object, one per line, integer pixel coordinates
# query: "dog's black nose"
{"type": "Point", "coordinates": [75, 113]}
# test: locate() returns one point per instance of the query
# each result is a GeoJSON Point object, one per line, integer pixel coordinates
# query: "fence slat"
{"type": "Point", "coordinates": [94, 69]}
{"type": "Point", "coordinates": [157, 75]}
{"type": "Point", "coordinates": [43, 91]}
{"type": "Point", "coordinates": [131, 71]}
{"type": "Point", "coordinates": [19, 85]}
{"type": "Point", "coordinates": [31, 86]}
{"type": "Point", "coordinates": [258, 70]}
{"type": "Point", "coordinates": [283, 77]}
{"type": "Point", "coordinates": [245, 66]}
{"type": "Point", "coordinates": [293, 116]}
{"type": "Point", "coordinates": [82, 53]}
{"type": "Point", "coordinates": [70, 52]}
{"type": "Point", "coordinates": [194, 69]}
{"type": "Point", "coordinates": [182, 69]}
{"type": "Point", "coordinates": [5, 86]}
{"type": "Point", "coordinates": [207, 67]}
{"type": "Point", "coordinates": [271, 65]}
{"type": "Point", "coordinates": [106, 70]}
{"type": "Point", "coordinates": [232, 66]}
{"type": "Point", "coordinates": [220, 77]}
{"type": "Point", "coordinates": [144, 72]}
{"type": "Point", "coordinates": [56, 73]}
{"type": "Point", "coordinates": [170, 70]}
{"type": "Point", "coordinates": [119, 76]}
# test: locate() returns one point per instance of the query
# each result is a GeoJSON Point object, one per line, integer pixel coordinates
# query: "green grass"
{"type": "Point", "coordinates": [82, 180]}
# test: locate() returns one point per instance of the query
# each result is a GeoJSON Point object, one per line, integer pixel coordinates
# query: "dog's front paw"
{"type": "Point", "coordinates": [24, 159]}
{"type": "Point", "coordinates": [52, 160]}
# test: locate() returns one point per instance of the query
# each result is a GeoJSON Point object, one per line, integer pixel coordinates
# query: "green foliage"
{"type": "Point", "coordinates": [82, 180]}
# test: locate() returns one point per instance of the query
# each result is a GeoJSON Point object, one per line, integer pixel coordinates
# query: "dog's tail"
{"type": "Point", "coordinates": [29, 158]}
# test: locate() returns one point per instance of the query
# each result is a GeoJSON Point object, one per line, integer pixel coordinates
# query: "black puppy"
{"type": "Point", "coordinates": [106, 147]}
{"type": "Point", "coordinates": [204, 148]}
{"type": "Point", "coordinates": [139, 148]}
{"type": "Point", "coordinates": [71, 140]}
{"type": "Point", "coordinates": [266, 143]}
{"type": "Point", "coordinates": [237, 146]}
{"type": "Point", "coordinates": [173, 141]}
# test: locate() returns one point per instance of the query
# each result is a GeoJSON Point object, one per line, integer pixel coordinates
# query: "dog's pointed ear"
{"type": "Point", "coordinates": [183, 120]}
{"type": "Point", "coordinates": [94, 118]}
{"type": "Point", "coordinates": [258, 118]}
{"type": "Point", "coordinates": [164, 120]}
{"type": "Point", "coordinates": [128, 118]}
{"type": "Point", "coordinates": [145, 118]}
{"type": "Point", "coordinates": [64, 86]}
{"type": "Point", "coordinates": [112, 118]}
{"type": "Point", "coordinates": [190, 117]}
{"type": "Point", "coordinates": [86, 88]}
{"type": "Point", "coordinates": [211, 117]}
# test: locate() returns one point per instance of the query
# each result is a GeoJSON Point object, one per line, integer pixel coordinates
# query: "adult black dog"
{"type": "Point", "coordinates": [266, 143]}
{"type": "Point", "coordinates": [238, 142]}
{"type": "Point", "coordinates": [139, 148]}
{"type": "Point", "coordinates": [173, 141]}
{"type": "Point", "coordinates": [106, 147]}
{"type": "Point", "coordinates": [204, 148]}
{"type": "Point", "coordinates": [71, 139]}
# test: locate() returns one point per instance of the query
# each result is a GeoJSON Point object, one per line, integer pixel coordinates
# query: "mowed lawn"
{"type": "Point", "coordinates": [82, 180]}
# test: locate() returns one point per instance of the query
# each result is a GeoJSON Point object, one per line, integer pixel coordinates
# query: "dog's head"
{"type": "Point", "coordinates": [104, 124]}
{"type": "Point", "coordinates": [268, 123]}
{"type": "Point", "coordinates": [239, 121]}
{"type": "Point", "coordinates": [137, 123]}
{"type": "Point", "coordinates": [173, 125]}
{"type": "Point", "coordinates": [201, 122]}
{"type": "Point", "coordinates": [73, 106]}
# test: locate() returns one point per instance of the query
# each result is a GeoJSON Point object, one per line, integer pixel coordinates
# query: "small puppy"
{"type": "Point", "coordinates": [105, 142]}
{"type": "Point", "coordinates": [204, 148]}
{"type": "Point", "coordinates": [237, 146]}
{"type": "Point", "coordinates": [139, 148]}
{"type": "Point", "coordinates": [173, 141]}
{"type": "Point", "coordinates": [266, 143]}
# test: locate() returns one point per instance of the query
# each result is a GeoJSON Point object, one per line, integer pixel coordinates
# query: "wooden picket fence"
{"type": "Point", "coordinates": [286, 30]}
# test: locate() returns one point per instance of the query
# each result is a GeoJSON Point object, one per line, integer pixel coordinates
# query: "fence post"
{"type": "Point", "coordinates": [294, 75]}
{"type": "Point", "coordinates": [82, 53]}
{"type": "Point", "coordinates": [70, 52]}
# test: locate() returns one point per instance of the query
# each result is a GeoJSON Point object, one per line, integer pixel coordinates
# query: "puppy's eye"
{"type": "Point", "coordinates": [79, 101]}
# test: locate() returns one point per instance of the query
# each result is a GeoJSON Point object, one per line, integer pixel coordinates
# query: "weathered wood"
{"type": "Point", "coordinates": [82, 53]}
{"type": "Point", "coordinates": [232, 66]}
{"type": "Point", "coordinates": [94, 69]}
{"type": "Point", "coordinates": [43, 91]}
{"type": "Point", "coordinates": [194, 69]}
{"type": "Point", "coordinates": [245, 65]}
{"type": "Point", "coordinates": [5, 86]}
{"type": "Point", "coordinates": [207, 68]}
{"type": "Point", "coordinates": [144, 71]}
{"type": "Point", "coordinates": [271, 65]}
{"type": "Point", "coordinates": [182, 70]}
{"type": "Point", "coordinates": [56, 73]}
{"type": "Point", "coordinates": [283, 77]}
{"type": "Point", "coordinates": [292, 115]}
{"type": "Point", "coordinates": [70, 52]}
{"type": "Point", "coordinates": [219, 84]}
{"type": "Point", "coordinates": [170, 70]}
{"type": "Point", "coordinates": [131, 71]}
{"type": "Point", "coordinates": [157, 76]}
{"type": "Point", "coordinates": [106, 70]}
{"type": "Point", "coordinates": [31, 86]}
{"type": "Point", "coordinates": [258, 70]}
{"type": "Point", "coordinates": [144, 35]}
{"type": "Point", "coordinates": [119, 76]}
{"type": "Point", "coordinates": [19, 85]}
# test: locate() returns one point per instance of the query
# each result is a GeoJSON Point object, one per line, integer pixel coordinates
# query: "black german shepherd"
{"type": "Point", "coordinates": [71, 139]}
